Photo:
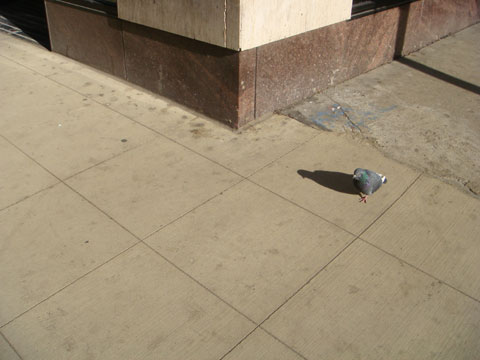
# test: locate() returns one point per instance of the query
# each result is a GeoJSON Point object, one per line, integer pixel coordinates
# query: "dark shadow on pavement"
{"type": "Point", "coordinates": [404, 12]}
{"type": "Point", "coordinates": [401, 30]}
{"type": "Point", "coordinates": [440, 75]}
{"type": "Point", "coordinates": [334, 180]}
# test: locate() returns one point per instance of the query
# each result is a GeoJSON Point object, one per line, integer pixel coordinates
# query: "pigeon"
{"type": "Point", "coordinates": [367, 182]}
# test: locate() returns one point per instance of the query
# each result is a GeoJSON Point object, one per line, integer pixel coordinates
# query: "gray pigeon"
{"type": "Point", "coordinates": [367, 182]}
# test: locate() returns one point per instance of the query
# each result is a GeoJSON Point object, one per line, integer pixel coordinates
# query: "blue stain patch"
{"type": "Point", "coordinates": [328, 119]}
{"type": "Point", "coordinates": [376, 113]}
{"type": "Point", "coordinates": [337, 116]}
{"type": "Point", "coordinates": [387, 109]}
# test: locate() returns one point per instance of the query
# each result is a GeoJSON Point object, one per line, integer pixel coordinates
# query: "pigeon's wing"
{"type": "Point", "coordinates": [374, 182]}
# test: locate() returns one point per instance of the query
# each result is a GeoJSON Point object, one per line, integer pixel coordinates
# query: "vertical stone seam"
{"type": "Point", "coordinates": [255, 85]}
{"type": "Point", "coordinates": [225, 24]}
{"type": "Point", "coordinates": [122, 31]}
{"type": "Point", "coordinates": [48, 26]}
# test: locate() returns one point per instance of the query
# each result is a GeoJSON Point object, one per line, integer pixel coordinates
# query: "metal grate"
{"type": "Point", "coordinates": [106, 7]}
{"type": "Point", "coordinates": [25, 19]}
{"type": "Point", "coordinates": [367, 7]}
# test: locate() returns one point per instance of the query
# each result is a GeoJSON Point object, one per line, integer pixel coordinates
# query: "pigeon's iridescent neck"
{"type": "Point", "coordinates": [364, 177]}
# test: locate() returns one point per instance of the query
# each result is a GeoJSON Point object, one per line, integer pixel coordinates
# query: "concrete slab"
{"type": "Point", "coordinates": [135, 103]}
{"type": "Point", "coordinates": [435, 228]}
{"type": "Point", "coordinates": [112, 92]}
{"type": "Point", "coordinates": [21, 177]}
{"type": "Point", "coordinates": [142, 307]}
{"type": "Point", "coordinates": [67, 298]}
{"type": "Point", "coordinates": [15, 79]}
{"type": "Point", "coordinates": [36, 57]}
{"type": "Point", "coordinates": [369, 305]}
{"type": "Point", "coordinates": [318, 177]}
{"type": "Point", "coordinates": [48, 241]}
{"type": "Point", "coordinates": [245, 151]}
{"type": "Point", "coordinates": [243, 245]}
{"type": "Point", "coordinates": [148, 187]}
{"type": "Point", "coordinates": [457, 55]}
{"type": "Point", "coordinates": [323, 113]}
{"type": "Point", "coordinates": [4, 36]}
{"type": "Point", "coordinates": [416, 119]}
{"type": "Point", "coordinates": [64, 131]}
{"type": "Point", "coordinates": [422, 110]}
{"type": "Point", "coordinates": [260, 345]}
{"type": "Point", "coordinates": [34, 97]}
{"type": "Point", "coordinates": [6, 351]}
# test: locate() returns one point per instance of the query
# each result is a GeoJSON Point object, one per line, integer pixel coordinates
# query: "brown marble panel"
{"type": "Point", "coordinates": [91, 38]}
{"type": "Point", "coordinates": [430, 20]}
{"type": "Point", "coordinates": [236, 87]}
{"type": "Point", "coordinates": [215, 81]}
{"type": "Point", "coordinates": [246, 90]}
{"type": "Point", "coordinates": [295, 68]}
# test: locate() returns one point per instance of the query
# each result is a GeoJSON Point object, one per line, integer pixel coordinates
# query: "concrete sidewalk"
{"type": "Point", "coordinates": [421, 110]}
{"type": "Point", "coordinates": [132, 228]}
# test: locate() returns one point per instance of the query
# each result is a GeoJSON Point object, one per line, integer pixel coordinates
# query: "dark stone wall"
{"type": "Point", "coordinates": [298, 67]}
{"type": "Point", "coordinates": [237, 87]}
{"type": "Point", "coordinates": [86, 36]}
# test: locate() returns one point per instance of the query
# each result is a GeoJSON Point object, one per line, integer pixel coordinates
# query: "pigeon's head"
{"type": "Point", "coordinates": [357, 174]}
{"type": "Point", "coordinates": [360, 175]}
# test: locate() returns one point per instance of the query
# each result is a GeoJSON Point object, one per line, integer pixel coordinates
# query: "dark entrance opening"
{"type": "Point", "coordinates": [25, 19]}
{"type": "Point", "coordinates": [367, 7]}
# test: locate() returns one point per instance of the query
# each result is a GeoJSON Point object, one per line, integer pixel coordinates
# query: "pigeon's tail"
{"type": "Point", "coordinates": [384, 179]}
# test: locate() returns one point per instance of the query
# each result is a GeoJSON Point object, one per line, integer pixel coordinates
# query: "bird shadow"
{"type": "Point", "coordinates": [334, 180]}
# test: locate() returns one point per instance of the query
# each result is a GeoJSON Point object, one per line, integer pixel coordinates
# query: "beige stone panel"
{"type": "Point", "coordinates": [233, 24]}
{"type": "Point", "coordinates": [236, 24]}
{"type": "Point", "coordinates": [20, 176]}
{"type": "Point", "coordinates": [436, 228]}
{"type": "Point", "coordinates": [251, 247]}
{"type": "Point", "coordinates": [48, 241]}
{"type": "Point", "coordinates": [369, 305]}
{"type": "Point", "coordinates": [201, 20]}
{"type": "Point", "coordinates": [148, 187]}
{"type": "Point", "coordinates": [135, 307]}
{"type": "Point", "coordinates": [262, 22]}
{"type": "Point", "coordinates": [317, 176]}
{"type": "Point", "coordinates": [261, 346]}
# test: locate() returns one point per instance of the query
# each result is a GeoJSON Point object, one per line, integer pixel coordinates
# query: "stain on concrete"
{"type": "Point", "coordinates": [352, 289]}
{"type": "Point", "coordinates": [199, 133]}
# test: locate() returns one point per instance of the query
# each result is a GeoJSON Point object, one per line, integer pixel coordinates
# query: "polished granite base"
{"type": "Point", "coordinates": [238, 87]}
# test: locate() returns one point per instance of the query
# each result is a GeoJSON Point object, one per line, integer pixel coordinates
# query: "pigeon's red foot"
{"type": "Point", "coordinates": [363, 199]}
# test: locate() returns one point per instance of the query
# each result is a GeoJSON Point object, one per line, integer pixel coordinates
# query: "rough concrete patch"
{"type": "Point", "coordinates": [434, 141]}
{"type": "Point", "coordinates": [323, 113]}
{"type": "Point", "coordinates": [474, 186]}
